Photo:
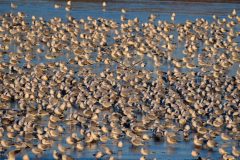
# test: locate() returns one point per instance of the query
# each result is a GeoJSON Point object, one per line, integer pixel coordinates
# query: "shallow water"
{"type": "Point", "coordinates": [143, 8]}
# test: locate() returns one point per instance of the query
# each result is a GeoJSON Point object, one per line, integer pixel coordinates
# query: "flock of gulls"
{"type": "Point", "coordinates": [88, 81]}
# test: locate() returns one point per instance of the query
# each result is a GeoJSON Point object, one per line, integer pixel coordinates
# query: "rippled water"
{"type": "Point", "coordinates": [140, 8]}
{"type": "Point", "coordinates": [135, 8]}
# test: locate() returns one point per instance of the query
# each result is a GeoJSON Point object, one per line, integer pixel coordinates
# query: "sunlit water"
{"type": "Point", "coordinates": [142, 9]}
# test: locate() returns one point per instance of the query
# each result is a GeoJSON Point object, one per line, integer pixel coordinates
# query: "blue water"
{"type": "Point", "coordinates": [135, 8]}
